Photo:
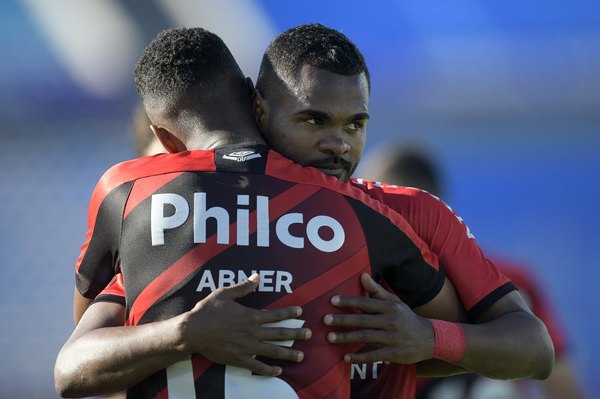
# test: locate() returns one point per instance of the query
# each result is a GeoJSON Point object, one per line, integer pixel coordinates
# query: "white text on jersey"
{"type": "Point", "coordinates": [360, 370]}
{"type": "Point", "coordinates": [159, 223]}
{"type": "Point", "coordinates": [270, 280]}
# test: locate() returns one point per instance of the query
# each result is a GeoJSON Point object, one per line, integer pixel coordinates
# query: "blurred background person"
{"type": "Point", "coordinates": [412, 165]}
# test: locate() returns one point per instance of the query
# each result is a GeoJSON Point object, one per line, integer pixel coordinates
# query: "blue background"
{"type": "Point", "coordinates": [505, 94]}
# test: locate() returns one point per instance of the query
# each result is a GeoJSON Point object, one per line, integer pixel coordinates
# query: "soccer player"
{"type": "Point", "coordinates": [305, 107]}
{"type": "Point", "coordinates": [487, 296]}
{"type": "Point", "coordinates": [181, 226]}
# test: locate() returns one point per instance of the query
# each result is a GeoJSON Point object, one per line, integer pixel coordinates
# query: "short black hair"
{"type": "Point", "coordinates": [315, 45]}
{"type": "Point", "coordinates": [181, 61]}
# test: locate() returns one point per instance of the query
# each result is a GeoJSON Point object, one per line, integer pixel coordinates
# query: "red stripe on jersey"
{"type": "Point", "coordinates": [282, 168]}
{"type": "Point", "coordinates": [136, 169]}
{"type": "Point", "coordinates": [446, 234]}
{"type": "Point", "coordinates": [160, 164]}
{"type": "Point", "coordinates": [333, 378]}
{"type": "Point", "coordinates": [199, 365]}
{"type": "Point", "coordinates": [115, 287]}
{"type": "Point", "coordinates": [140, 192]}
{"type": "Point", "coordinates": [164, 394]}
{"type": "Point", "coordinates": [314, 288]}
{"type": "Point", "coordinates": [188, 264]}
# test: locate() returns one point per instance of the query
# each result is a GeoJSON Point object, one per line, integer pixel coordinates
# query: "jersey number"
{"type": "Point", "coordinates": [239, 382]}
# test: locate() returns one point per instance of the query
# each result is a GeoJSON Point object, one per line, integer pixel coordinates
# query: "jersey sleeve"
{"type": "Point", "coordinates": [114, 291]}
{"type": "Point", "coordinates": [478, 282]}
{"type": "Point", "coordinates": [98, 260]}
{"type": "Point", "coordinates": [399, 259]}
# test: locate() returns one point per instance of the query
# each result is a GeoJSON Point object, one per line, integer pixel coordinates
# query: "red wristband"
{"type": "Point", "coordinates": [450, 341]}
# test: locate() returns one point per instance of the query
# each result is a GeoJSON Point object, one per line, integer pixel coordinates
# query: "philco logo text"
{"type": "Point", "coordinates": [201, 214]}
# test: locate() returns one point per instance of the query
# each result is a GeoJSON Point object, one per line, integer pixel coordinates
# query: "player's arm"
{"type": "Point", "coordinates": [102, 356]}
{"type": "Point", "coordinates": [97, 261]}
{"type": "Point", "coordinates": [508, 333]}
{"type": "Point", "coordinates": [505, 328]}
{"type": "Point", "coordinates": [80, 304]}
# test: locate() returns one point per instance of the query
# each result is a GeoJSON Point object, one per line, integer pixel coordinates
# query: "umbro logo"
{"type": "Point", "coordinates": [242, 156]}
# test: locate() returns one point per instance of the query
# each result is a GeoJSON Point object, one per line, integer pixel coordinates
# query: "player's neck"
{"type": "Point", "coordinates": [220, 138]}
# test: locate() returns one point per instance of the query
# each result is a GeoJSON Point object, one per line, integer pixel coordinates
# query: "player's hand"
{"type": "Point", "coordinates": [397, 333]}
{"type": "Point", "coordinates": [226, 332]}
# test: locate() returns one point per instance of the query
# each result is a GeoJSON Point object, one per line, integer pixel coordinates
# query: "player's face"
{"type": "Point", "coordinates": [321, 122]}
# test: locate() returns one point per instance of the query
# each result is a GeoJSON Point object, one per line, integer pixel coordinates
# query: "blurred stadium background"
{"type": "Point", "coordinates": [505, 94]}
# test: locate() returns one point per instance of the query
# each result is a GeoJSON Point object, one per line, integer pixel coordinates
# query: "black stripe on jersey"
{"type": "Point", "coordinates": [397, 260]}
{"type": "Point", "coordinates": [110, 298]}
{"type": "Point", "coordinates": [142, 263]}
{"type": "Point", "coordinates": [100, 261]}
{"type": "Point", "coordinates": [233, 158]}
{"type": "Point", "coordinates": [211, 383]}
{"type": "Point", "coordinates": [483, 305]}
{"type": "Point", "coordinates": [150, 387]}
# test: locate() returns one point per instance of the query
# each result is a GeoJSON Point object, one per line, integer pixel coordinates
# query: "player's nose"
{"type": "Point", "coordinates": [334, 144]}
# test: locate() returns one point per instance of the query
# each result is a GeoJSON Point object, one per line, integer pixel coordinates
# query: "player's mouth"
{"type": "Point", "coordinates": [334, 166]}
{"type": "Point", "coordinates": [333, 170]}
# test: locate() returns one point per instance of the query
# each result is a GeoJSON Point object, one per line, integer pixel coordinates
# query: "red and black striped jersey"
{"type": "Point", "coordinates": [181, 225]}
{"type": "Point", "coordinates": [478, 283]}
{"type": "Point", "coordinates": [477, 280]}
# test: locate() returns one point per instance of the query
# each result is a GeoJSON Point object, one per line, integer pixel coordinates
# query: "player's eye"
{"type": "Point", "coordinates": [314, 121]}
{"type": "Point", "coordinates": [356, 126]}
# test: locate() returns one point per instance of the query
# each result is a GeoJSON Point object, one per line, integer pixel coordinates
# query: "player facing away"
{"type": "Point", "coordinates": [221, 206]}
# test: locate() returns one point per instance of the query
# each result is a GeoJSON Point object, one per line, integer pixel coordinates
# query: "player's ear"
{"type": "Point", "coordinates": [260, 108]}
{"type": "Point", "coordinates": [250, 85]}
{"type": "Point", "coordinates": [168, 140]}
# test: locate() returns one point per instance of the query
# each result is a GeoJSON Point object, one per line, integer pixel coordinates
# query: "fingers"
{"type": "Point", "coordinates": [367, 357]}
{"type": "Point", "coordinates": [242, 289]}
{"type": "Point", "coordinates": [278, 314]}
{"type": "Point", "coordinates": [368, 305]}
{"type": "Point", "coordinates": [358, 336]}
{"type": "Point", "coordinates": [278, 352]}
{"type": "Point", "coordinates": [280, 335]}
{"type": "Point", "coordinates": [375, 290]}
{"type": "Point", "coordinates": [265, 350]}
{"type": "Point", "coordinates": [260, 368]}
{"type": "Point", "coordinates": [360, 320]}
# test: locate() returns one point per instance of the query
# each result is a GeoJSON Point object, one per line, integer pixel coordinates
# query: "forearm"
{"type": "Point", "coordinates": [115, 358]}
{"type": "Point", "coordinates": [438, 368]}
{"type": "Point", "coordinates": [514, 346]}
{"type": "Point", "coordinates": [506, 342]}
